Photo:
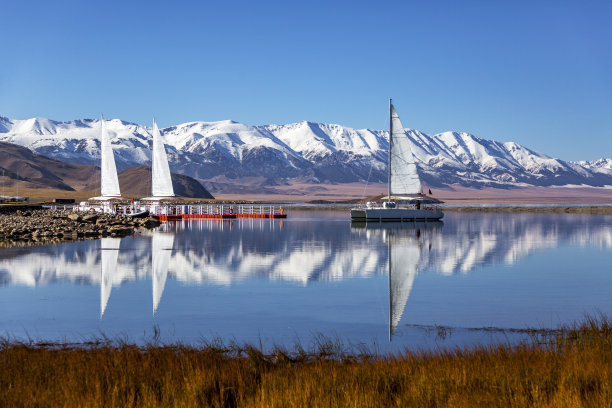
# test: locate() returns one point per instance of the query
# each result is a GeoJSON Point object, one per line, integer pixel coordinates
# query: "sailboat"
{"type": "Point", "coordinates": [161, 180]}
{"type": "Point", "coordinates": [109, 181]}
{"type": "Point", "coordinates": [404, 182]}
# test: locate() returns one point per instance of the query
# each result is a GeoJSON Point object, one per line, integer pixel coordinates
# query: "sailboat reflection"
{"type": "Point", "coordinates": [161, 248]}
{"type": "Point", "coordinates": [109, 253]}
{"type": "Point", "coordinates": [405, 243]}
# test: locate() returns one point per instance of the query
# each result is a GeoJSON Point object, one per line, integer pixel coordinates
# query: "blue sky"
{"type": "Point", "coordinates": [538, 73]}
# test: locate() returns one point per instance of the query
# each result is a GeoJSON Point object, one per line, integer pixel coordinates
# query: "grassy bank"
{"type": "Point", "coordinates": [572, 368]}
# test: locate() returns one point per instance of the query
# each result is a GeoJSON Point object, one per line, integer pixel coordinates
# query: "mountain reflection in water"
{"type": "Point", "coordinates": [300, 252]}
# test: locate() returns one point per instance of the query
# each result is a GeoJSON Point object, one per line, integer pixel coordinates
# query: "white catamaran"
{"type": "Point", "coordinates": [404, 182]}
{"type": "Point", "coordinates": [109, 182]}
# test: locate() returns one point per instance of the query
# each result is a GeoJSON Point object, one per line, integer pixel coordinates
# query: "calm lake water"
{"type": "Point", "coordinates": [280, 282]}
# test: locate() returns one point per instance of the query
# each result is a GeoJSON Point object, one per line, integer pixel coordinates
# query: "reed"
{"type": "Point", "coordinates": [570, 368]}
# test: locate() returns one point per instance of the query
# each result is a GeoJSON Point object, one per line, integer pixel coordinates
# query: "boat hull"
{"type": "Point", "coordinates": [140, 214]}
{"type": "Point", "coordinates": [395, 214]}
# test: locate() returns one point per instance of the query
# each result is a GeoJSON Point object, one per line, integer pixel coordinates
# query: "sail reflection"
{"type": "Point", "coordinates": [161, 247]}
{"type": "Point", "coordinates": [109, 253]}
{"type": "Point", "coordinates": [405, 242]}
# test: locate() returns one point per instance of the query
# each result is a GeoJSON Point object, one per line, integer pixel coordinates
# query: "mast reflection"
{"type": "Point", "coordinates": [405, 243]}
{"type": "Point", "coordinates": [161, 248]}
{"type": "Point", "coordinates": [109, 253]}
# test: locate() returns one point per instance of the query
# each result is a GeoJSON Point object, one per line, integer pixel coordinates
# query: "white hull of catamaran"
{"type": "Point", "coordinates": [395, 214]}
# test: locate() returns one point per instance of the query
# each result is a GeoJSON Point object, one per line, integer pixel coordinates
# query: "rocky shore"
{"type": "Point", "coordinates": [43, 226]}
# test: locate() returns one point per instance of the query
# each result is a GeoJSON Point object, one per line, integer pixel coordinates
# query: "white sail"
{"type": "Point", "coordinates": [161, 248]}
{"type": "Point", "coordinates": [404, 258]}
{"type": "Point", "coordinates": [109, 182]}
{"type": "Point", "coordinates": [403, 176]}
{"type": "Point", "coordinates": [161, 183]}
{"type": "Point", "coordinates": [109, 253]}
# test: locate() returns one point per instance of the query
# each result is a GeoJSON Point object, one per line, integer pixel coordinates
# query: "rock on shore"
{"type": "Point", "coordinates": [49, 226]}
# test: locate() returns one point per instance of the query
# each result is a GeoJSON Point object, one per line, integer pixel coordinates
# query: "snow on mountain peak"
{"type": "Point", "coordinates": [307, 150]}
{"type": "Point", "coordinates": [5, 124]}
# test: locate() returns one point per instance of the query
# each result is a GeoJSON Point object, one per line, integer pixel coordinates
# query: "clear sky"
{"type": "Point", "coordinates": [535, 72]}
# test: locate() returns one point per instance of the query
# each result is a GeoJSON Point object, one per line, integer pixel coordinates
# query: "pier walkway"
{"type": "Point", "coordinates": [168, 212]}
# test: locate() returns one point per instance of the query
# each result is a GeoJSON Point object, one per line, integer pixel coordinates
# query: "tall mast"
{"type": "Point", "coordinates": [101, 152]}
{"type": "Point", "coordinates": [390, 292]}
{"type": "Point", "coordinates": [389, 159]}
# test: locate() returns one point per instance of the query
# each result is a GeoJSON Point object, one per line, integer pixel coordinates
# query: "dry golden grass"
{"type": "Point", "coordinates": [573, 368]}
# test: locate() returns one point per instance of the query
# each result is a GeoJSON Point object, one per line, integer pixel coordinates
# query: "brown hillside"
{"type": "Point", "coordinates": [36, 171]}
{"type": "Point", "coordinates": [136, 182]}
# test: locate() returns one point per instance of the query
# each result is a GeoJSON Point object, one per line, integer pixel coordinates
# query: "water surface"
{"type": "Point", "coordinates": [278, 282]}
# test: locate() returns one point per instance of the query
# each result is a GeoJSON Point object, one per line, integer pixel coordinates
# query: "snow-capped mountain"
{"type": "Point", "coordinates": [310, 152]}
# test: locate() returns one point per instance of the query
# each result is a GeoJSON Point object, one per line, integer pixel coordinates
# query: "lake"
{"type": "Point", "coordinates": [475, 278]}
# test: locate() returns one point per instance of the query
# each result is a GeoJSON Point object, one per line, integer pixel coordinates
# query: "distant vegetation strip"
{"type": "Point", "coordinates": [572, 367]}
{"type": "Point", "coordinates": [588, 209]}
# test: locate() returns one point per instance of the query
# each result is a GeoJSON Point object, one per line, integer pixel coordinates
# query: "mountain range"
{"type": "Point", "coordinates": [218, 154]}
